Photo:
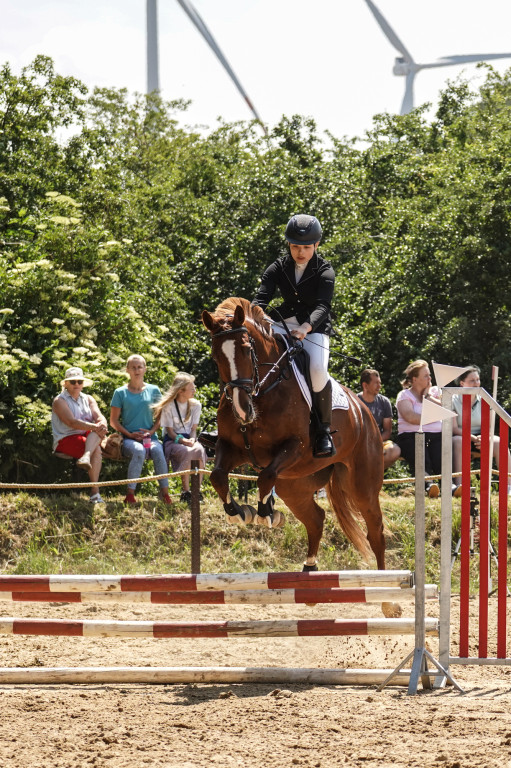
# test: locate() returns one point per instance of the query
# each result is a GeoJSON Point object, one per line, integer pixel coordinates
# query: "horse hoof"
{"type": "Point", "coordinates": [309, 568]}
{"type": "Point", "coordinates": [279, 520]}
{"type": "Point", "coordinates": [235, 519]}
{"type": "Point", "coordinates": [391, 610]}
{"type": "Point", "coordinates": [263, 520]}
{"type": "Point", "coordinates": [249, 513]}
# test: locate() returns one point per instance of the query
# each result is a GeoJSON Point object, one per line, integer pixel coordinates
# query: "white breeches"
{"type": "Point", "coordinates": [317, 345]}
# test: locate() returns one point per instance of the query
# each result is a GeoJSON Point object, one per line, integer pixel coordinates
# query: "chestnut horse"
{"type": "Point", "coordinates": [264, 420]}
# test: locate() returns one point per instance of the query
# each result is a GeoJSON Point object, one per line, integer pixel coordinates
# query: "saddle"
{"type": "Point", "coordinates": [208, 440]}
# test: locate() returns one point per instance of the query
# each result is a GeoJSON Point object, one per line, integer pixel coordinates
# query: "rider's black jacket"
{"type": "Point", "coordinates": [309, 301]}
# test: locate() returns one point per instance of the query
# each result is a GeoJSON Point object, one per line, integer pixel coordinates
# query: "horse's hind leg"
{"type": "Point", "coordinates": [364, 495]}
{"type": "Point", "coordinates": [298, 495]}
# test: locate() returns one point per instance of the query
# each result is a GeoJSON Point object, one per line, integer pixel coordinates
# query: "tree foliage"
{"type": "Point", "coordinates": [117, 228]}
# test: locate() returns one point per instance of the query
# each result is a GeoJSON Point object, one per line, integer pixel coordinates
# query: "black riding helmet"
{"type": "Point", "coordinates": [303, 230]}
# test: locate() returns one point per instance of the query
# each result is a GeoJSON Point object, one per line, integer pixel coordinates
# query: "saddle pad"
{"type": "Point", "coordinates": [339, 398]}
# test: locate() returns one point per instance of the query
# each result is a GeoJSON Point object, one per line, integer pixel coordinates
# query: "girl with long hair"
{"type": "Point", "coordinates": [179, 414]}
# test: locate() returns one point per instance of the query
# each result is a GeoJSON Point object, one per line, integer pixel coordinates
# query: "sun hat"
{"type": "Point", "coordinates": [76, 373]}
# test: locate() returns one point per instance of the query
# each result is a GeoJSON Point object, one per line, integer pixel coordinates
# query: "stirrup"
{"type": "Point", "coordinates": [323, 445]}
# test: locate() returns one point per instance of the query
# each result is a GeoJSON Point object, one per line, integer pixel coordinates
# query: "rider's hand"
{"type": "Point", "coordinates": [302, 331]}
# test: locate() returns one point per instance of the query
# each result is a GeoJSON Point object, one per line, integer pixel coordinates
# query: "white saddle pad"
{"type": "Point", "coordinates": [339, 398]}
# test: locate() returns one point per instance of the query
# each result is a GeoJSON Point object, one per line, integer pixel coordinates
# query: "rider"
{"type": "Point", "coordinates": [306, 283]}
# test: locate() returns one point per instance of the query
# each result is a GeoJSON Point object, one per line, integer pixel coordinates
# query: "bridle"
{"type": "Point", "coordinates": [247, 385]}
{"type": "Point", "coordinates": [254, 386]}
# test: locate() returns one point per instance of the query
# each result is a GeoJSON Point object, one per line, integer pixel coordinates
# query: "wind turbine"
{"type": "Point", "coordinates": [406, 66]}
{"type": "Point", "coordinates": [153, 81]}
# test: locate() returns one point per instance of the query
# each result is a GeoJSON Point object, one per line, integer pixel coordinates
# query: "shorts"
{"type": "Point", "coordinates": [72, 445]}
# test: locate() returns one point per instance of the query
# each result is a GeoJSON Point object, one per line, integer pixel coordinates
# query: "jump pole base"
{"type": "Point", "coordinates": [185, 675]}
{"type": "Point", "coordinates": [420, 670]}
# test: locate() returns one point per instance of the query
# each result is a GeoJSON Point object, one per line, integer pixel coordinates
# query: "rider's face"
{"type": "Point", "coordinates": [302, 254]}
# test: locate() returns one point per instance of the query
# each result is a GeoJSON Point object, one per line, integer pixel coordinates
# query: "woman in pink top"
{"type": "Point", "coordinates": [417, 387]}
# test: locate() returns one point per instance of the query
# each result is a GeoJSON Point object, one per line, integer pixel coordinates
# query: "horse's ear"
{"type": "Point", "coordinates": [239, 315]}
{"type": "Point", "coordinates": [208, 321]}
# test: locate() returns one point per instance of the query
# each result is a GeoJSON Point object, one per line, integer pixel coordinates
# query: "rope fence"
{"type": "Point", "coordinates": [151, 478]}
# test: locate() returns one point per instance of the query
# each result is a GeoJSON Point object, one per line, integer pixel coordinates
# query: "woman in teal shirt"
{"type": "Point", "coordinates": [131, 414]}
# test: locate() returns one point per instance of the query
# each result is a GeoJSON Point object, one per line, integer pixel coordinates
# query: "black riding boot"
{"type": "Point", "coordinates": [322, 404]}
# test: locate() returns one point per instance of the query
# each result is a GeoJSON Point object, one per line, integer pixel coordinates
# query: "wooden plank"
{"type": "Point", "coordinates": [186, 675]}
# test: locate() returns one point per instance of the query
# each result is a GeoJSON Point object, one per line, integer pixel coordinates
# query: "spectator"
{"type": "Point", "coordinates": [417, 387]}
{"type": "Point", "coordinates": [380, 407]}
{"type": "Point", "coordinates": [179, 414]}
{"type": "Point", "coordinates": [131, 414]}
{"type": "Point", "coordinates": [78, 426]}
{"type": "Point", "coordinates": [471, 378]}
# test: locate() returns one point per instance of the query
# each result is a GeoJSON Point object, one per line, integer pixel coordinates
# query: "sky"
{"type": "Point", "coordinates": [326, 59]}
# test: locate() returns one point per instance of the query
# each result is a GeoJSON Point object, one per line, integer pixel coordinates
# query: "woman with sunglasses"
{"type": "Point", "coordinates": [78, 426]}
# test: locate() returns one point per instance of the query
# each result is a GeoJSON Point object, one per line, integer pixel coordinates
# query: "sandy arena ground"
{"type": "Point", "coordinates": [187, 726]}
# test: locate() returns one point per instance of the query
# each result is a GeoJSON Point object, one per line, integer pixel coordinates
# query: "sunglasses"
{"type": "Point", "coordinates": [75, 381]}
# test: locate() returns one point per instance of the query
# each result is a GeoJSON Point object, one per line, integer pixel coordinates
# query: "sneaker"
{"type": "Point", "coordinates": [456, 491]}
{"type": "Point", "coordinates": [432, 490]}
{"type": "Point", "coordinates": [84, 462]}
{"type": "Point", "coordinates": [96, 499]}
{"type": "Point", "coordinates": [130, 498]}
{"type": "Point", "coordinates": [164, 496]}
{"type": "Point", "coordinates": [186, 497]}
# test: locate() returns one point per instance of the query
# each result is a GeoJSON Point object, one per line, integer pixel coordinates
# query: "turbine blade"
{"type": "Point", "coordinates": [407, 104]}
{"type": "Point", "coordinates": [472, 57]}
{"type": "Point", "coordinates": [198, 22]}
{"type": "Point", "coordinates": [389, 32]}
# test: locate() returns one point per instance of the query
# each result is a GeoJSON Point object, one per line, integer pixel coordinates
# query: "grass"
{"type": "Point", "coordinates": [65, 534]}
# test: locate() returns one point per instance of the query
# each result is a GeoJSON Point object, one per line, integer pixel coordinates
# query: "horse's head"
{"type": "Point", "coordinates": [233, 352]}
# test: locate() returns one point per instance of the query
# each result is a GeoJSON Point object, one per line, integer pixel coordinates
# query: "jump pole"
{"type": "Point", "coordinates": [229, 597]}
{"type": "Point", "coordinates": [186, 675]}
{"type": "Point", "coordinates": [313, 586]}
{"type": "Point", "coordinates": [211, 629]}
{"type": "Point", "coordinates": [191, 582]}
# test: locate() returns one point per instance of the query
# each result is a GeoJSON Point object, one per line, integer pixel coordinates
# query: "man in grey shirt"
{"type": "Point", "coordinates": [380, 407]}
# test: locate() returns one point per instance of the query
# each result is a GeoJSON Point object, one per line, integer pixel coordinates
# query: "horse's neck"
{"type": "Point", "coordinates": [267, 349]}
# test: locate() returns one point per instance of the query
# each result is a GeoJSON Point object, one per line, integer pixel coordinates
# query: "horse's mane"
{"type": "Point", "coordinates": [225, 311]}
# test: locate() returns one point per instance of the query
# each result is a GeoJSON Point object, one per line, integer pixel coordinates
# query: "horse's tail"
{"type": "Point", "coordinates": [349, 516]}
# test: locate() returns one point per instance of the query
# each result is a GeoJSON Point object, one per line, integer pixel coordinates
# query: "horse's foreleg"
{"type": "Point", "coordinates": [226, 458]}
{"type": "Point", "coordinates": [287, 455]}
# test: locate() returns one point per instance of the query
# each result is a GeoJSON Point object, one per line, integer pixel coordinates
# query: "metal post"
{"type": "Point", "coordinates": [195, 524]}
{"type": "Point", "coordinates": [419, 666]}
